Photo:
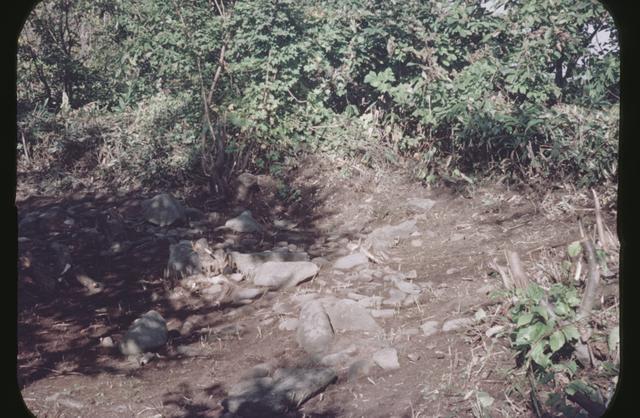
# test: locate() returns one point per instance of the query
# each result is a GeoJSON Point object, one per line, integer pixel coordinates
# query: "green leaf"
{"type": "Point", "coordinates": [556, 341]}
{"type": "Point", "coordinates": [571, 333]}
{"type": "Point", "coordinates": [574, 249]}
{"type": "Point", "coordinates": [537, 354]}
{"type": "Point", "coordinates": [524, 319]}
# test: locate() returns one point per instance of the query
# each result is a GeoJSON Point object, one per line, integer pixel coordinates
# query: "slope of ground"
{"type": "Point", "coordinates": [66, 366]}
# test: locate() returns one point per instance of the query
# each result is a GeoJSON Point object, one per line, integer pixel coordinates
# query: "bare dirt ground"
{"type": "Point", "coordinates": [63, 370]}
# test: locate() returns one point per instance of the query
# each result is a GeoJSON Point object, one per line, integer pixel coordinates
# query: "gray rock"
{"type": "Point", "coordinates": [146, 333]}
{"type": "Point", "coordinates": [387, 358]}
{"type": "Point", "coordinates": [314, 332]}
{"type": "Point", "coordinates": [163, 210]}
{"type": "Point", "coordinates": [288, 324]}
{"type": "Point", "coordinates": [183, 260]}
{"type": "Point", "coordinates": [430, 327]}
{"type": "Point", "coordinates": [249, 262]}
{"type": "Point", "coordinates": [456, 324]}
{"type": "Point", "coordinates": [286, 390]}
{"type": "Point", "coordinates": [382, 237]}
{"type": "Point", "coordinates": [348, 315]}
{"type": "Point", "coordinates": [246, 293]}
{"type": "Point", "coordinates": [395, 297]}
{"type": "Point", "coordinates": [340, 357]}
{"type": "Point", "coordinates": [407, 287]}
{"type": "Point", "coordinates": [360, 368]}
{"type": "Point", "coordinates": [370, 301]}
{"type": "Point", "coordinates": [350, 261]}
{"type": "Point", "coordinates": [281, 274]}
{"type": "Point", "coordinates": [243, 223]}
{"type": "Point", "coordinates": [424, 204]}
{"type": "Point", "coordinates": [382, 313]}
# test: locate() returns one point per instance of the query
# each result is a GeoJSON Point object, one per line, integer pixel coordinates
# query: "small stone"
{"type": "Point", "coordinates": [416, 243]}
{"type": "Point", "coordinates": [280, 274]}
{"type": "Point", "coordinates": [457, 237]}
{"type": "Point", "coordinates": [439, 354]}
{"type": "Point", "coordinates": [288, 324]}
{"type": "Point", "coordinates": [413, 357]}
{"type": "Point", "coordinates": [382, 313]}
{"type": "Point", "coordinates": [396, 297]}
{"type": "Point", "coordinates": [243, 223]}
{"type": "Point", "coordinates": [410, 331]}
{"type": "Point", "coordinates": [348, 315]}
{"type": "Point", "coordinates": [350, 261]}
{"type": "Point", "coordinates": [387, 359]}
{"type": "Point", "coordinates": [106, 342]}
{"type": "Point", "coordinates": [494, 330]}
{"type": "Point", "coordinates": [456, 324]}
{"type": "Point", "coordinates": [429, 328]}
{"type": "Point", "coordinates": [407, 287]}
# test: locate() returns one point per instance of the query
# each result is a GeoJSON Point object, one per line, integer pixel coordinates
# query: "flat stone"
{"type": "Point", "coordinates": [314, 333]}
{"type": "Point", "coordinates": [147, 332]}
{"type": "Point", "coordinates": [247, 263]}
{"type": "Point", "coordinates": [348, 315]}
{"type": "Point", "coordinates": [494, 330]}
{"type": "Point", "coordinates": [382, 237]}
{"type": "Point", "coordinates": [370, 301]}
{"type": "Point", "coordinates": [382, 313]}
{"type": "Point", "coordinates": [424, 204]}
{"type": "Point", "coordinates": [456, 324]}
{"type": "Point", "coordinates": [246, 293]}
{"type": "Point", "coordinates": [282, 274]}
{"type": "Point", "coordinates": [430, 327]}
{"type": "Point", "coordinates": [410, 331]}
{"type": "Point", "coordinates": [416, 243]}
{"type": "Point", "coordinates": [350, 261]}
{"type": "Point", "coordinates": [387, 359]}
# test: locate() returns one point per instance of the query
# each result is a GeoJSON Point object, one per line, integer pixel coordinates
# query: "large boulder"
{"type": "Point", "coordinates": [163, 210]}
{"type": "Point", "coordinates": [147, 333]}
{"type": "Point", "coordinates": [314, 333]}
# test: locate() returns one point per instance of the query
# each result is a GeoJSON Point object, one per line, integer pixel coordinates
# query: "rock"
{"type": "Point", "coordinates": [413, 357]}
{"type": "Point", "coordinates": [281, 274]}
{"type": "Point", "coordinates": [370, 301]}
{"type": "Point", "coordinates": [360, 368]}
{"type": "Point", "coordinates": [407, 287]}
{"type": "Point", "coordinates": [260, 370]}
{"type": "Point", "coordinates": [314, 332]}
{"type": "Point", "coordinates": [163, 210]}
{"type": "Point", "coordinates": [457, 237]}
{"type": "Point", "coordinates": [246, 293]}
{"type": "Point", "coordinates": [146, 333]}
{"type": "Point", "coordinates": [396, 297]}
{"type": "Point", "coordinates": [340, 357]}
{"type": "Point", "coordinates": [106, 342]}
{"type": "Point", "coordinates": [410, 331]}
{"type": "Point", "coordinates": [494, 330]}
{"type": "Point", "coordinates": [486, 289]}
{"type": "Point", "coordinates": [243, 223]}
{"type": "Point", "coordinates": [430, 327]}
{"type": "Point", "coordinates": [424, 204]}
{"type": "Point", "coordinates": [456, 324]}
{"type": "Point", "coordinates": [411, 300]}
{"type": "Point", "coordinates": [287, 389]}
{"type": "Point", "coordinates": [383, 237]}
{"type": "Point", "coordinates": [183, 260]}
{"type": "Point", "coordinates": [348, 315]}
{"type": "Point", "coordinates": [288, 324]}
{"type": "Point", "coordinates": [320, 262]}
{"type": "Point", "coordinates": [387, 359]}
{"type": "Point", "coordinates": [350, 261]}
{"type": "Point", "coordinates": [249, 262]}
{"type": "Point", "coordinates": [382, 313]}
{"type": "Point", "coordinates": [416, 243]}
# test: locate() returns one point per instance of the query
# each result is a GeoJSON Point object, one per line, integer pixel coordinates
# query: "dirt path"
{"type": "Point", "coordinates": [64, 371]}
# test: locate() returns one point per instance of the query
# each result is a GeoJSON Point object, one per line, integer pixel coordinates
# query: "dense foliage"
{"type": "Point", "coordinates": [144, 88]}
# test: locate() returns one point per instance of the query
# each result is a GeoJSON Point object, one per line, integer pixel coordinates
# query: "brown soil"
{"type": "Point", "coordinates": [63, 370]}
